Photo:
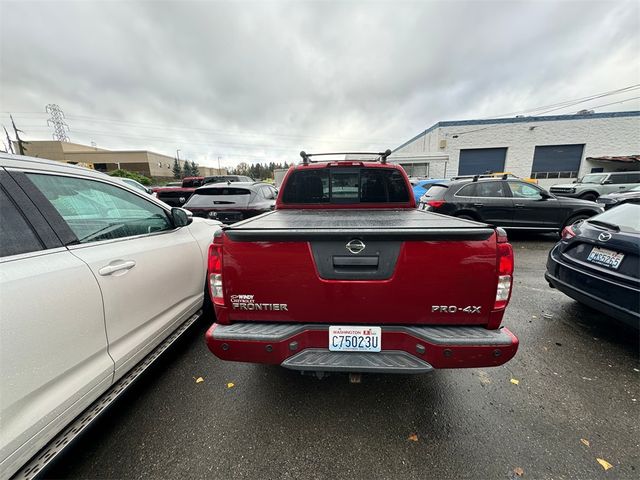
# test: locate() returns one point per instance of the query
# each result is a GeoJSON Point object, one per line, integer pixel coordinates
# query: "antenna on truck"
{"type": "Point", "coordinates": [382, 156]}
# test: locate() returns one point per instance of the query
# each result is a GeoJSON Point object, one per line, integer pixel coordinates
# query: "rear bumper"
{"type": "Point", "coordinates": [227, 216]}
{"type": "Point", "coordinates": [406, 349]}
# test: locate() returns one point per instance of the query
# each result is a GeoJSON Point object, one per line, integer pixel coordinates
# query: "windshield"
{"type": "Point", "coordinates": [593, 178]}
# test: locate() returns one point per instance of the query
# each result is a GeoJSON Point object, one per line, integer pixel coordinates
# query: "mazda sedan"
{"type": "Point", "coordinates": [597, 263]}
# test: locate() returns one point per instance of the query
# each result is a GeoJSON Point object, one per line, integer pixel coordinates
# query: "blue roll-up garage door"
{"type": "Point", "coordinates": [475, 161]}
{"type": "Point", "coordinates": [557, 161]}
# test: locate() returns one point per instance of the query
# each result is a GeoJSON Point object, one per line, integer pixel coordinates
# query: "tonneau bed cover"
{"type": "Point", "coordinates": [385, 223]}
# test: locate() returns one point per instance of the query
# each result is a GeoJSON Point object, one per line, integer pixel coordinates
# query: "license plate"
{"type": "Point", "coordinates": [355, 339]}
{"type": "Point", "coordinates": [605, 257]}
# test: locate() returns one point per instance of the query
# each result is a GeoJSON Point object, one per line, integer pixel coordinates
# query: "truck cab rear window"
{"type": "Point", "coordinates": [346, 185]}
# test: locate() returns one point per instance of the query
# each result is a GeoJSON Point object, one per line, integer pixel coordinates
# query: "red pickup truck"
{"type": "Point", "coordinates": [346, 275]}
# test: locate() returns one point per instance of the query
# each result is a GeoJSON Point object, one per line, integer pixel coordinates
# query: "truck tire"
{"type": "Point", "coordinates": [466, 217]}
{"type": "Point", "coordinates": [590, 196]}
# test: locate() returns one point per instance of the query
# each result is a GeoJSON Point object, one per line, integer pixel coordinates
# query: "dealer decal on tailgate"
{"type": "Point", "coordinates": [247, 302]}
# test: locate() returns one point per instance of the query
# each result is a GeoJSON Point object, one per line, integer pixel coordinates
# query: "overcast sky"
{"type": "Point", "coordinates": [259, 81]}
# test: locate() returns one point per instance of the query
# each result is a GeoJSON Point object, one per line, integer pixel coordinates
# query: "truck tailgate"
{"type": "Point", "coordinates": [359, 267]}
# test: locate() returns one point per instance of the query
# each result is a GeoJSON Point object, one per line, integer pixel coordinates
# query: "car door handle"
{"type": "Point", "coordinates": [110, 269]}
{"type": "Point", "coordinates": [478, 204]}
{"type": "Point", "coordinates": [519, 204]}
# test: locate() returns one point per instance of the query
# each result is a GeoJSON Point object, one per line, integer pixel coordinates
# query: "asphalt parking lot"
{"type": "Point", "coordinates": [569, 397]}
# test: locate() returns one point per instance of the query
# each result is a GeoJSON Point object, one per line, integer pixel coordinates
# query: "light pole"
{"type": "Point", "coordinates": [219, 170]}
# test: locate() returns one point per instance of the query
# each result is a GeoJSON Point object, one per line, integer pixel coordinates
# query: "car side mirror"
{"type": "Point", "coordinates": [545, 195]}
{"type": "Point", "coordinates": [181, 217]}
{"type": "Point", "coordinates": [607, 182]}
{"type": "Point", "coordinates": [149, 191]}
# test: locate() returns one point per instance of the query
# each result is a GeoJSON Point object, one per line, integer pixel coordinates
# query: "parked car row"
{"type": "Point", "coordinates": [95, 276]}
{"type": "Point", "coordinates": [177, 197]}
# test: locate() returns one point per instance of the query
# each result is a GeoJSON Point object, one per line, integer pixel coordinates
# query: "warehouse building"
{"type": "Point", "coordinates": [149, 164]}
{"type": "Point", "coordinates": [551, 149]}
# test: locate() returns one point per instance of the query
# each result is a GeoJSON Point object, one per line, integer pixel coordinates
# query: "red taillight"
{"type": "Point", "coordinates": [568, 232]}
{"type": "Point", "coordinates": [214, 272]}
{"type": "Point", "coordinates": [505, 272]}
{"type": "Point", "coordinates": [436, 203]}
{"type": "Point", "coordinates": [505, 259]}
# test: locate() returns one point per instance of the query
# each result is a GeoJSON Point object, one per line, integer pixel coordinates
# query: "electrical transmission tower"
{"type": "Point", "coordinates": [60, 127]}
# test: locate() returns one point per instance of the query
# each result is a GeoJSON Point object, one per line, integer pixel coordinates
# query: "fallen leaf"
{"type": "Point", "coordinates": [413, 437]}
{"type": "Point", "coordinates": [518, 471]}
{"type": "Point", "coordinates": [484, 378]}
{"type": "Point", "coordinates": [606, 465]}
{"type": "Point", "coordinates": [514, 381]}
{"type": "Point", "coordinates": [585, 442]}
{"type": "Point", "coordinates": [231, 385]}
{"type": "Point", "coordinates": [199, 380]}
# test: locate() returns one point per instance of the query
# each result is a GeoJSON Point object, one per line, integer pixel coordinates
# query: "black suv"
{"type": "Point", "coordinates": [506, 202]}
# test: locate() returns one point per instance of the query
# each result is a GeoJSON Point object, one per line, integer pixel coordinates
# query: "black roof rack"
{"type": "Point", "coordinates": [474, 178]}
{"type": "Point", "coordinates": [382, 156]}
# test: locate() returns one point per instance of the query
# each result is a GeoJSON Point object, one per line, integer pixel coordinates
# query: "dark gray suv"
{"type": "Point", "coordinates": [232, 202]}
{"type": "Point", "coordinates": [507, 202]}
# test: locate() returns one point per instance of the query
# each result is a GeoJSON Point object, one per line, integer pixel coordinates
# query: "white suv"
{"type": "Point", "coordinates": [592, 185]}
{"type": "Point", "coordinates": [95, 277]}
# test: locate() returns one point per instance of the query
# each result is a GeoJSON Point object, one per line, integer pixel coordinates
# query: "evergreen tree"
{"type": "Point", "coordinates": [177, 171]}
{"type": "Point", "coordinates": [194, 169]}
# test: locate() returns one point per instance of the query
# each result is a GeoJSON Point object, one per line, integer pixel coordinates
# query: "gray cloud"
{"type": "Point", "coordinates": [261, 80]}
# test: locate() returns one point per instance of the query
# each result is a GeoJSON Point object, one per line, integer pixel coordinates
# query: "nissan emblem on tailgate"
{"type": "Point", "coordinates": [355, 246]}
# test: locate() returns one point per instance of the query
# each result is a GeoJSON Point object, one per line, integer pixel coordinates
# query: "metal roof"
{"type": "Point", "coordinates": [548, 118]}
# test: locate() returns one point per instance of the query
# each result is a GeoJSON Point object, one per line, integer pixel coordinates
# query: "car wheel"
{"type": "Point", "coordinates": [466, 217]}
{"type": "Point", "coordinates": [573, 220]}
{"type": "Point", "coordinates": [589, 196]}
